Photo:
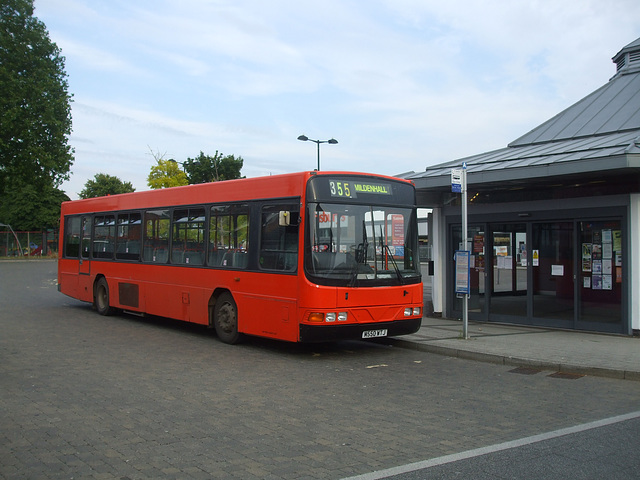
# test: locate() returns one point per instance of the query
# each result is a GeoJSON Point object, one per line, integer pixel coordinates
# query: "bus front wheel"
{"type": "Point", "coordinates": [101, 297]}
{"type": "Point", "coordinates": [225, 319]}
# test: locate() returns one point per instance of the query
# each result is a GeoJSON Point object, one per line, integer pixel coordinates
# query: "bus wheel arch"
{"type": "Point", "coordinates": [101, 296]}
{"type": "Point", "coordinates": [223, 316]}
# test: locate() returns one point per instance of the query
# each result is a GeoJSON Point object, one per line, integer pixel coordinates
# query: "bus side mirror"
{"type": "Point", "coordinates": [284, 218]}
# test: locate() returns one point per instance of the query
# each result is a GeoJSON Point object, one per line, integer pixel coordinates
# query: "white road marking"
{"type": "Point", "coordinates": [476, 452]}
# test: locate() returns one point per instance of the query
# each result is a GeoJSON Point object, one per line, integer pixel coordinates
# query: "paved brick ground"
{"type": "Point", "coordinates": [84, 396]}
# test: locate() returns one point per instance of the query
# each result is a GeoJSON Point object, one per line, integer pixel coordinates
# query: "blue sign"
{"type": "Point", "coordinates": [456, 180]}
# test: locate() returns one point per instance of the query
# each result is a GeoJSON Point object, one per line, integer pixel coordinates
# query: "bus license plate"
{"type": "Point", "coordinates": [374, 333]}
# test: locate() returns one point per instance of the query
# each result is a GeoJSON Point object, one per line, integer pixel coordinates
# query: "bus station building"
{"type": "Point", "coordinates": [553, 218]}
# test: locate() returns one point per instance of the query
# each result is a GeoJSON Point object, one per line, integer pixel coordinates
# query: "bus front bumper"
{"type": "Point", "coordinates": [358, 331]}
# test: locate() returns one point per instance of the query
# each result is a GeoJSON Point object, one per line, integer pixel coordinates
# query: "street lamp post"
{"type": "Point", "coordinates": [331, 141]}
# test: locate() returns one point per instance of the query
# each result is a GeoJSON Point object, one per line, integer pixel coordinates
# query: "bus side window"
{"type": "Point", "coordinates": [229, 236]}
{"type": "Point", "coordinates": [128, 239]}
{"type": "Point", "coordinates": [72, 238]}
{"type": "Point", "coordinates": [156, 236]}
{"type": "Point", "coordinates": [188, 236]}
{"type": "Point", "coordinates": [104, 239]}
{"type": "Point", "coordinates": [279, 244]}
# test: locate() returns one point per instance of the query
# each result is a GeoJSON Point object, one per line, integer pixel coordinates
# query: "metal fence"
{"type": "Point", "coordinates": [29, 244]}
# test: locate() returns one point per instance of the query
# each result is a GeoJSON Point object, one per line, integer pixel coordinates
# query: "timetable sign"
{"type": "Point", "coordinates": [456, 180]}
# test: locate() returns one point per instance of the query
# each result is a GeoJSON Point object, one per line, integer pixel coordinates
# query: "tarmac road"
{"type": "Point", "coordinates": [85, 396]}
{"type": "Point", "coordinates": [597, 450]}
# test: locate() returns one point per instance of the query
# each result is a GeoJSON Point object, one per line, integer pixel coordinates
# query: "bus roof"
{"type": "Point", "coordinates": [245, 189]}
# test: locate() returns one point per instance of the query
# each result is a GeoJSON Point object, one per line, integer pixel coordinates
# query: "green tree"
{"type": "Point", "coordinates": [206, 168]}
{"type": "Point", "coordinates": [104, 184]}
{"type": "Point", "coordinates": [27, 207]}
{"type": "Point", "coordinates": [35, 106]}
{"type": "Point", "coordinates": [165, 174]}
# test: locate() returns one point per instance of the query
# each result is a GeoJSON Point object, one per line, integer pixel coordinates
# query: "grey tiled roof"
{"type": "Point", "coordinates": [614, 107]}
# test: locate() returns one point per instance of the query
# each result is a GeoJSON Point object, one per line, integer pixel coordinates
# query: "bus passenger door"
{"type": "Point", "coordinates": [84, 264]}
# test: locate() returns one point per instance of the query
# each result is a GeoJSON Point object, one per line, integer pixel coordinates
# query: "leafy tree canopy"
{"type": "Point", "coordinates": [35, 111]}
{"type": "Point", "coordinates": [103, 185]}
{"type": "Point", "coordinates": [27, 207]}
{"type": "Point", "coordinates": [165, 174]}
{"type": "Point", "coordinates": [206, 168]}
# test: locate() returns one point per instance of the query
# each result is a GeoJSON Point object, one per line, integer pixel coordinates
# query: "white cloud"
{"type": "Point", "coordinates": [400, 83]}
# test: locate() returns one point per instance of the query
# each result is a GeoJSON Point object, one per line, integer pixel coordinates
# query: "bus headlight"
{"type": "Point", "coordinates": [329, 317]}
{"type": "Point", "coordinates": [407, 311]}
{"type": "Point", "coordinates": [417, 311]}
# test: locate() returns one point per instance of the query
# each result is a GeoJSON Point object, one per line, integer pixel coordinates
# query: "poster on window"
{"type": "Point", "coordinates": [597, 236]}
{"type": "Point", "coordinates": [596, 282]}
{"type": "Point", "coordinates": [597, 267]}
{"type": "Point", "coordinates": [397, 223]}
{"type": "Point", "coordinates": [478, 244]}
{"type": "Point", "coordinates": [586, 257]}
{"type": "Point", "coordinates": [330, 220]}
{"type": "Point", "coordinates": [617, 240]}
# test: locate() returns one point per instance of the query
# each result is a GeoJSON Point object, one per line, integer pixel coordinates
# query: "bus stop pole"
{"type": "Point", "coordinates": [465, 243]}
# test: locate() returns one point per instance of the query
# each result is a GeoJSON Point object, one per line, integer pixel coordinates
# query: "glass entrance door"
{"type": "Point", "coordinates": [552, 252]}
{"type": "Point", "coordinates": [565, 273]}
{"type": "Point", "coordinates": [509, 283]}
{"type": "Point", "coordinates": [601, 273]}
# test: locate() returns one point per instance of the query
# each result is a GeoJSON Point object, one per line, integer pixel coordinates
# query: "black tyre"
{"type": "Point", "coordinates": [225, 319]}
{"type": "Point", "coordinates": [101, 297]}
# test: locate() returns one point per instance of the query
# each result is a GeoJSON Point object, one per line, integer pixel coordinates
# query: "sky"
{"type": "Point", "coordinates": [401, 84]}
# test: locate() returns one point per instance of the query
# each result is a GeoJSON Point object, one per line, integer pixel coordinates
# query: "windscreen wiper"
{"type": "Point", "coordinates": [387, 250]}
{"type": "Point", "coordinates": [373, 233]}
{"type": "Point", "coordinates": [393, 262]}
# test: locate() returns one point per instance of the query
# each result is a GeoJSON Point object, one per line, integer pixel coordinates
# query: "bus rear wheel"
{"type": "Point", "coordinates": [101, 297]}
{"type": "Point", "coordinates": [225, 319]}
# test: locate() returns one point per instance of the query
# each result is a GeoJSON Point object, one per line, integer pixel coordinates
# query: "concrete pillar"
{"type": "Point", "coordinates": [439, 239]}
{"type": "Point", "coordinates": [634, 260]}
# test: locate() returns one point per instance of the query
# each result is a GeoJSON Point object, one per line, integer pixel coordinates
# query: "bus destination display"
{"type": "Point", "coordinates": [351, 189]}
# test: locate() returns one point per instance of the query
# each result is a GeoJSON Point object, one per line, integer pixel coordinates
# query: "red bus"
{"type": "Point", "coordinates": [304, 257]}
